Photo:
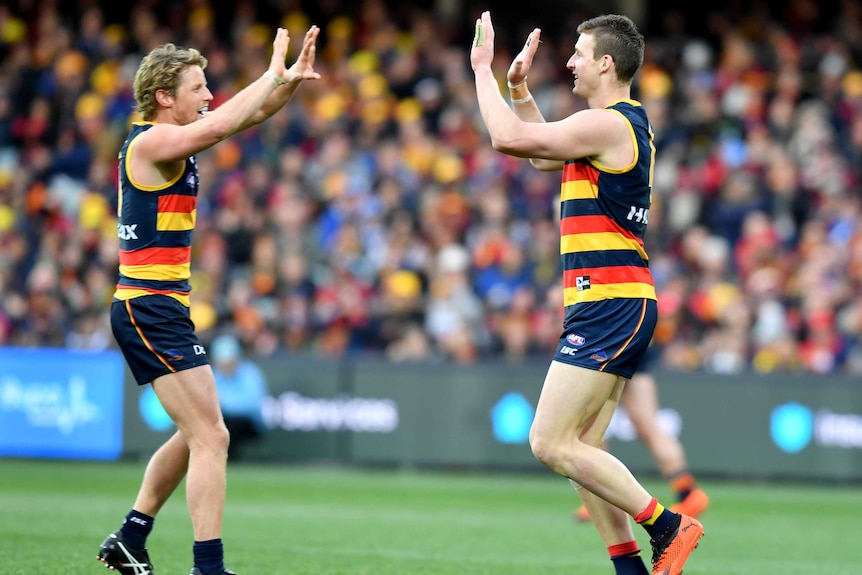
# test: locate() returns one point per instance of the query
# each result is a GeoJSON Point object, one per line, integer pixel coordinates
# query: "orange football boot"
{"type": "Point", "coordinates": [671, 550]}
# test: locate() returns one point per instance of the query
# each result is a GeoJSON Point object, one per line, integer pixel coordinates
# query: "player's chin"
{"type": "Point", "coordinates": [195, 118]}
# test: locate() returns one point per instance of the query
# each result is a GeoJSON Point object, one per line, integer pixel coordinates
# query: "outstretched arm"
{"type": "Point", "coordinates": [166, 142]}
{"type": "Point", "coordinates": [588, 133]}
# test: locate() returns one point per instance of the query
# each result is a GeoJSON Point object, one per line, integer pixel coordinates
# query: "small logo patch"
{"type": "Point", "coordinates": [172, 355]}
{"type": "Point", "coordinates": [599, 355]}
{"type": "Point", "coordinates": [582, 283]}
{"type": "Point", "coordinates": [576, 340]}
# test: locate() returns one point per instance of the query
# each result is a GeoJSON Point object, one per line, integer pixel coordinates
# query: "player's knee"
{"type": "Point", "coordinates": [221, 437]}
{"type": "Point", "coordinates": [215, 439]}
{"type": "Point", "coordinates": [545, 450]}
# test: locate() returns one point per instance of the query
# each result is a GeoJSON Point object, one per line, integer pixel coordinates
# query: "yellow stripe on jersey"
{"type": "Point", "coordinates": [574, 243]}
{"type": "Point", "coordinates": [578, 190]}
{"type": "Point", "coordinates": [176, 221]}
{"type": "Point", "coordinates": [572, 295]}
{"type": "Point", "coordinates": [160, 272]}
{"type": "Point", "coordinates": [126, 293]}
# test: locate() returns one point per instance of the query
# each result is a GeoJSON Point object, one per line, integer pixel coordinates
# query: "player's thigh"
{"type": "Point", "coordinates": [572, 397]}
{"type": "Point", "coordinates": [191, 400]}
{"type": "Point", "coordinates": [594, 433]}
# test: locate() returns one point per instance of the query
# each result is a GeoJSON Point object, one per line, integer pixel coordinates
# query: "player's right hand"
{"type": "Point", "coordinates": [279, 52]}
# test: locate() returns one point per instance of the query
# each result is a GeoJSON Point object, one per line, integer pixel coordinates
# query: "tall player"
{"type": "Point", "coordinates": [606, 156]}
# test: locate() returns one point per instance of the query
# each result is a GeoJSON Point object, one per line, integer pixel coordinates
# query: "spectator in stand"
{"type": "Point", "coordinates": [242, 391]}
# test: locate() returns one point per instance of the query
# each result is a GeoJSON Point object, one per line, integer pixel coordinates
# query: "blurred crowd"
{"type": "Point", "coordinates": [371, 215]}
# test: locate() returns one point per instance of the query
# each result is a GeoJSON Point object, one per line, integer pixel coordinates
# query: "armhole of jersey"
{"type": "Point", "coordinates": [603, 168]}
{"type": "Point", "coordinates": [144, 187]}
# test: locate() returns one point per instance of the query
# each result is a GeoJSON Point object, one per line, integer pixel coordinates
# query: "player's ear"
{"type": "Point", "coordinates": [164, 99]}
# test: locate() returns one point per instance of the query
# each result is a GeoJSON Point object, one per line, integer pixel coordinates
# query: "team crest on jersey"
{"type": "Point", "coordinates": [172, 355]}
{"type": "Point", "coordinates": [599, 355]}
{"type": "Point", "coordinates": [190, 180]}
{"type": "Point", "coordinates": [576, 340]}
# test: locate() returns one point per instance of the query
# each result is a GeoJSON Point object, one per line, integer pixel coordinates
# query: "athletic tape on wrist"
{"type": "Point", "coordinates": [518, 85]}
{"type": "Point", "coordinates": [523, 100]}
{"type": "Point", "coordinates": [278, 80]}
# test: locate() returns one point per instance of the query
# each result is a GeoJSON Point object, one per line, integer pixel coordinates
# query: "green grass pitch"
{"type": "Point", "coordinates": [293, 520]}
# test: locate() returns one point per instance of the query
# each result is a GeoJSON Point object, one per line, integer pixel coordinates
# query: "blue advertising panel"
{"type": "Point", "coordinates": [370, 412]}
{"type": "Point", "coordinates": [58, 403]}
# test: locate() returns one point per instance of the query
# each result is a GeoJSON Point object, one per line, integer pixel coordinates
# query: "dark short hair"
{"type": "Point", "coordinates": [618, 37]}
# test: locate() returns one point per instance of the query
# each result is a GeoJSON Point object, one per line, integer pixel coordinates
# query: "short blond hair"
{"type": "Point", "coordinates": [160, 70]}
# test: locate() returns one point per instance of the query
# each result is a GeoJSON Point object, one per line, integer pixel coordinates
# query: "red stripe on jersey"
{"type": "Point", "coordinates": [594, 225]}
{"type": "Point", "coordinates": [580, 170]}
{"type": "Point", "coordinates": [177, 204]}
{"type": "Point", "coordinates": [609, 275]}
{"type": "Point", "coordinates": [156, 256]}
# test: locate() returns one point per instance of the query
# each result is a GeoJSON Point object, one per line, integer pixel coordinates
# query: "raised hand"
{"type": "Point", "coordinates": [279, 52]}
{"type": "Point", "coordinates": [520, 66]}
{"type": "Point", "coordinates": [482, 53]}
{"type": "Point", "coordinates": [303, 68]}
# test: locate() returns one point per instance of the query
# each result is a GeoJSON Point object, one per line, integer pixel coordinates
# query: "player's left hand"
{"type": "Point", "coordinates": [482, 53]}
{"type": "Point", "coordinates": [520, 66]}
{"type": "Point", "coordinates": [303, 68]}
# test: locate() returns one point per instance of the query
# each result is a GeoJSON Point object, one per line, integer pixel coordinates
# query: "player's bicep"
{"type": "Point", "coordinates": [588, 133]}
{"type": "Point", "coordinates": [165, 143]}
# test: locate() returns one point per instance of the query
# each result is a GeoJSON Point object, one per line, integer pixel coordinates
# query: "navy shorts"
{"type": "Point", "coordinates": [608, 335]}
{"type": "Point", "coordinates": [157, 336]}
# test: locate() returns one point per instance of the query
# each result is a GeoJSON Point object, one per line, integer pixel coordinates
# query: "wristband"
{"type": "Point", "coordinates": [523, 100]}
{"type": "Point", "coordinates": [279, 81]}
{"type": "Point", "coordinates": [518, 85]}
